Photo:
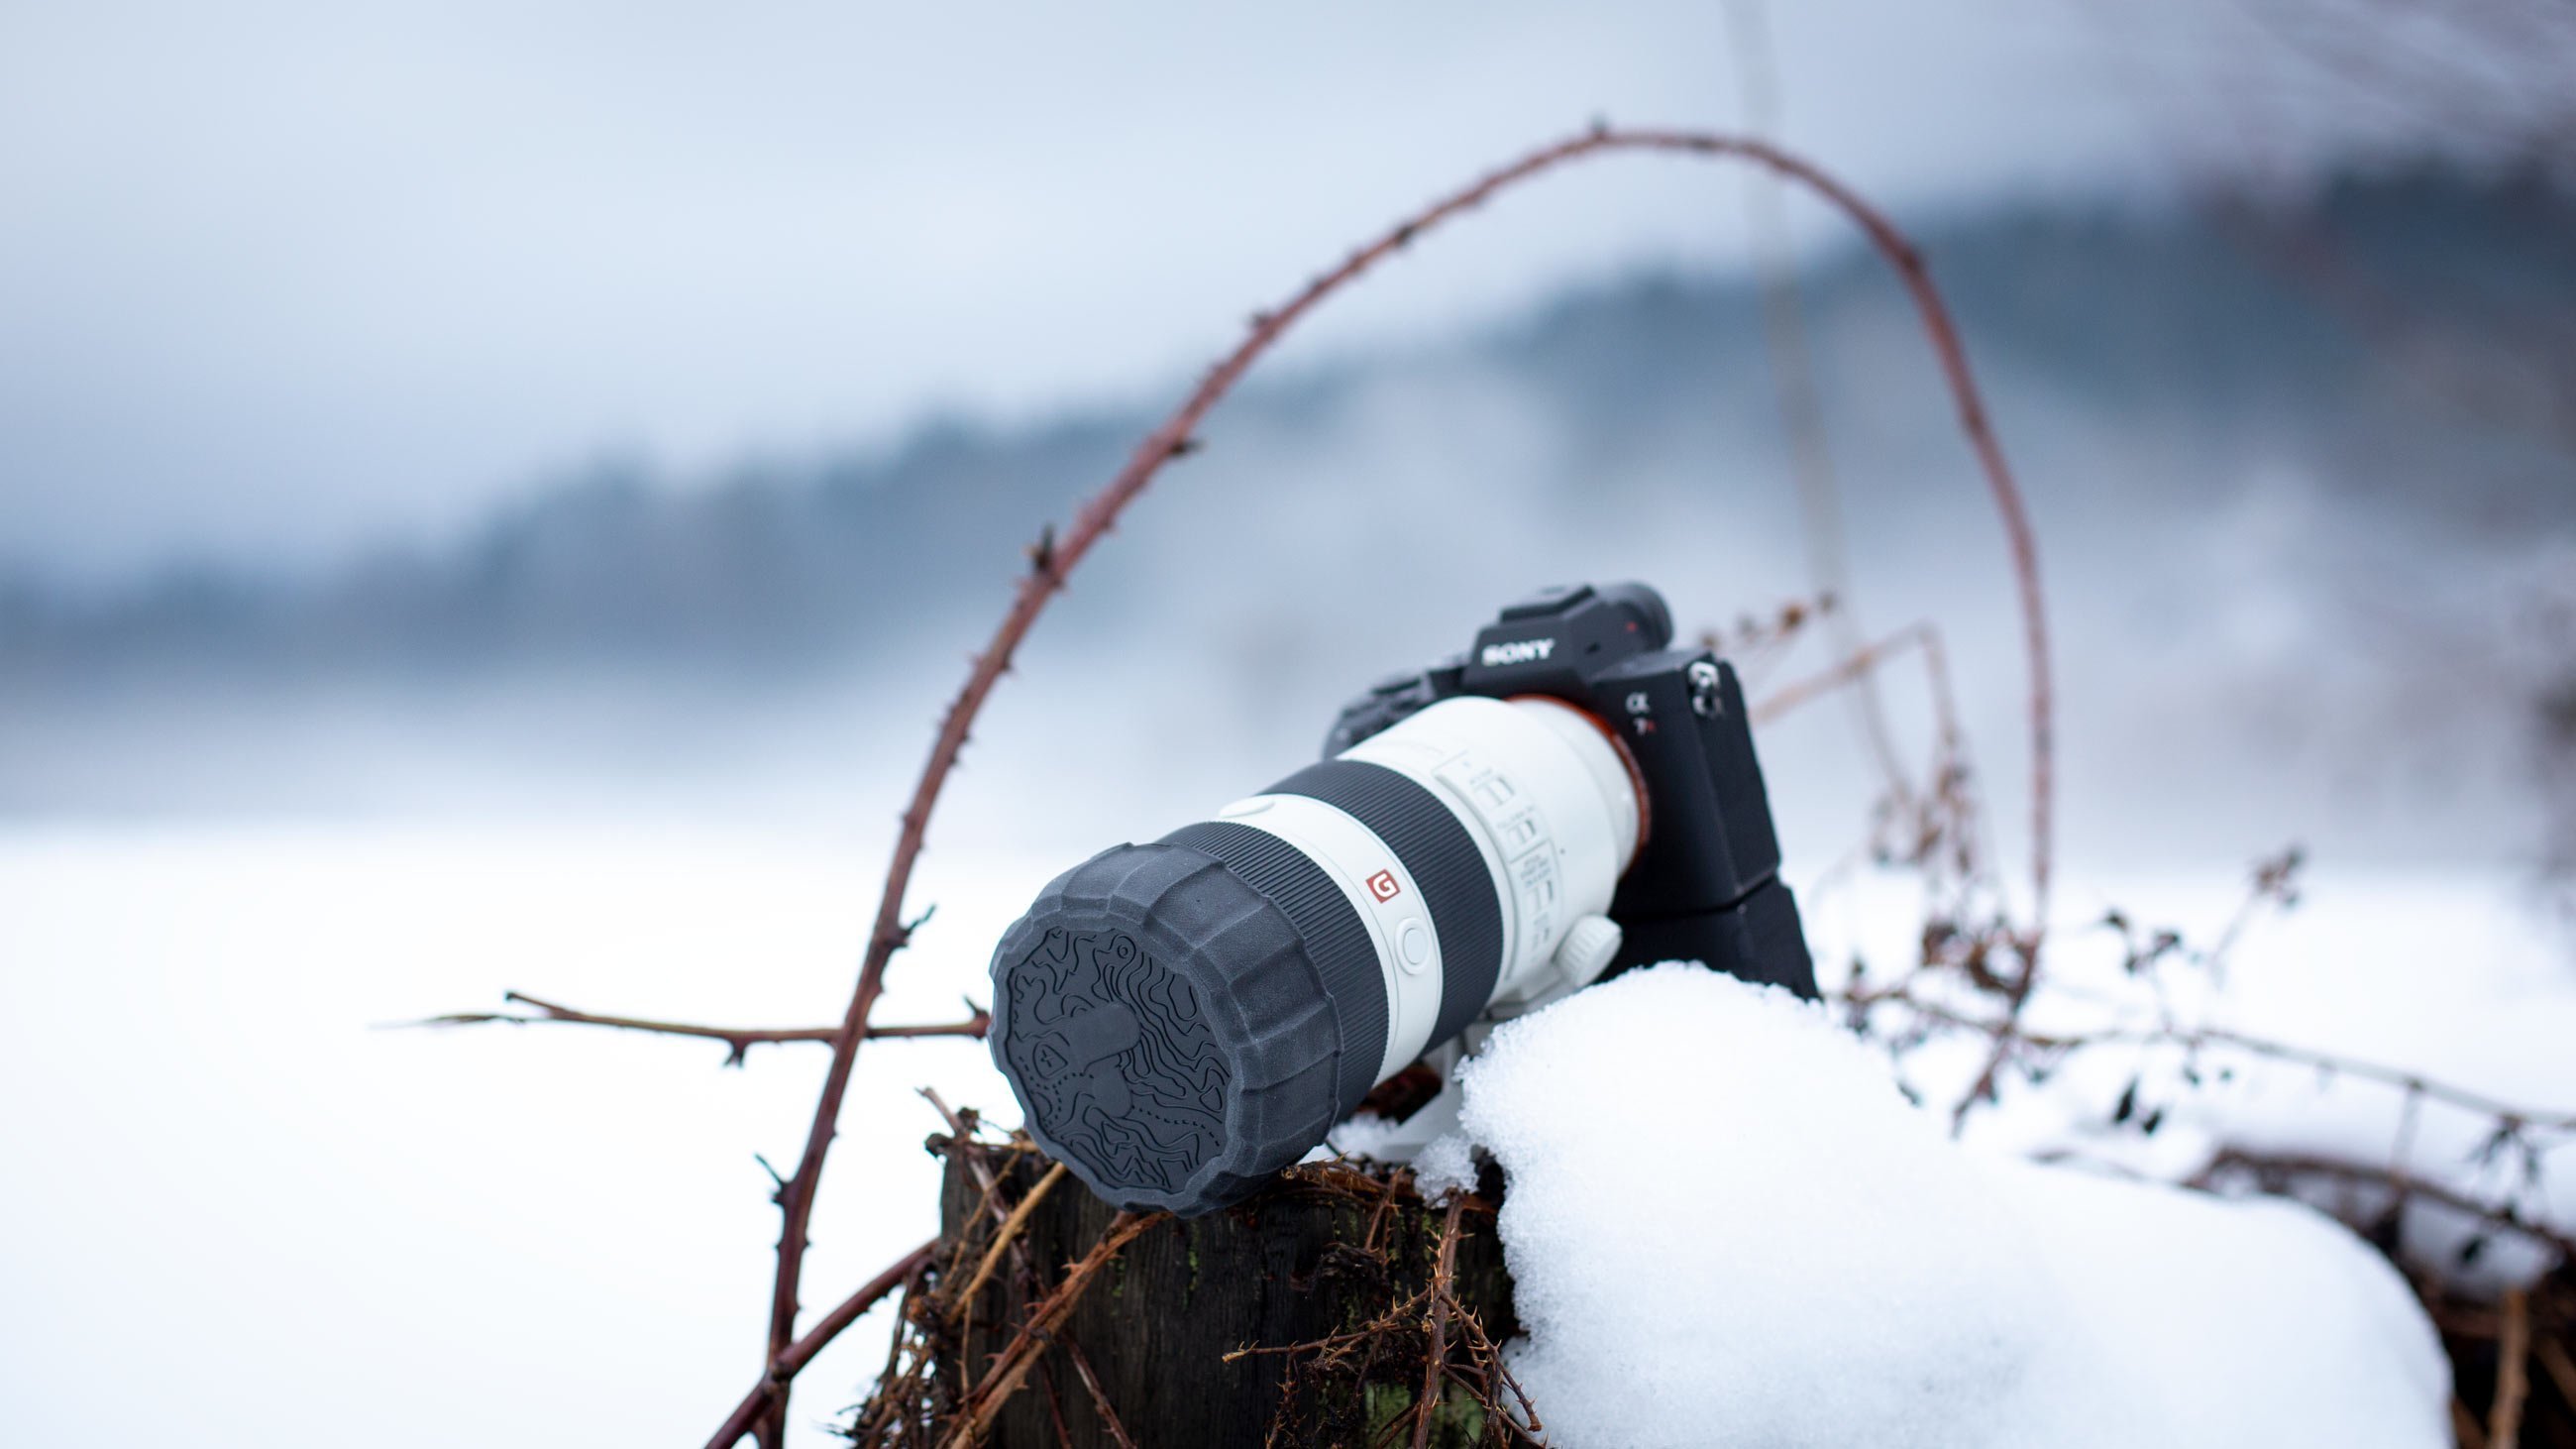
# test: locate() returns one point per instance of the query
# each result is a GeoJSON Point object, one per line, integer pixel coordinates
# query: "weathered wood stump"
{"type": "Point", "coordinates": [1307, 1315]}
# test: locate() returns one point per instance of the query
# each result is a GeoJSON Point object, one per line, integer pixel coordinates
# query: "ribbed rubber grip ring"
{"type": "Point", "coordinates": [1336, 942]}
{"type": "Point", "coordinates": [1457, 887]}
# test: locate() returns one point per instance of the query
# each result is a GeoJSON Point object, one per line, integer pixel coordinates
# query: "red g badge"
{"type": "Point", "coordinates": [1382, 885]}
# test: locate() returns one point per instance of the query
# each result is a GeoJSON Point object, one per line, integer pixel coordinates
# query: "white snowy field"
{"type": "Point", "coordinates": [236, 1211]}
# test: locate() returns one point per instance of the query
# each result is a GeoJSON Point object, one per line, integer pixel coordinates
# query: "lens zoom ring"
{"type": "Point", "coordinates": [1336, 942]}
{"type": "Point", "coordinates": [1443, 860]}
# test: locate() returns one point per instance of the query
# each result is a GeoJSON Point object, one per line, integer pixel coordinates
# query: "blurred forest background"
{"type": "Point", "coordinates": [2306, 472]}
{"type": "Point", "coordinates": [2296, 405]}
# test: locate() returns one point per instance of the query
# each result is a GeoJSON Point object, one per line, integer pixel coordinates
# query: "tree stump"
{"type": "Point", "coordinates": [1306, 1315]}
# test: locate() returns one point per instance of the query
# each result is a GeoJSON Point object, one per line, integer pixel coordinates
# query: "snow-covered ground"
{"type": "Point", "coordinates": [236, 1211]}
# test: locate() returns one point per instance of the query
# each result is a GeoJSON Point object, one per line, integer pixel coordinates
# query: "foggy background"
{"type": "Point", "coordinates": [495, 496]}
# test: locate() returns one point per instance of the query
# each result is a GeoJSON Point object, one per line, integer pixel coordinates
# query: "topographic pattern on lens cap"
{"type": "Point", "coordinates": [1117, 1062]}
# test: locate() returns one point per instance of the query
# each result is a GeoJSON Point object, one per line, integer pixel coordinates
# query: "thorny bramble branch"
{"type": "Point", "coordinates": [771, 1391]}
{"type": "Point", "coordinates": [1436, 1362]}
{"type": "Point", "coordinates": [1056, 556]}
{"type": "Point", "coordinates": [740, 1039]}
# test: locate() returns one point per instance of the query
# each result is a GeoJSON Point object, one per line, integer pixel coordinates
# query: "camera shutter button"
{"type": "Point", "coordinates": [1555, 599]}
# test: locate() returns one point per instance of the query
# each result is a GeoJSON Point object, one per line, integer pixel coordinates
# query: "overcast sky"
{"type": "Point", "coordinates": [278, 281]}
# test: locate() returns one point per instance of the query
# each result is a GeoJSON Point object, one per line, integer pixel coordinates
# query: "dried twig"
{"type": "Point", "coordinates": [1964, 956]}
{"type": "Point", "coordinates": [958, 1127]}
{"type": "Point", "coordinates": [1099, 1396]}
{"type": "Point", "coordinates": [1431, 1317]}
{"type": "Point", "coordinates": [1438, 1359]}
{"type": "Point", "coordinates": [761, 1402]}
{"type": "Point", "coordinates": [1003, 1237]}
{"type": "Point", "coordinates": [1012, 1365]}
{"type": "Point", "coordinates": [2504, 1419]}
{"type": "Point", "coordinates": [741, 1039]}
{"type": "Point", "coordinates": [1857, 665]}
{"type": "Point", "coordinates": [1055, 1409]}
{"type": "Point", "coordinates": [1931, 998]}
{"type": "Point", "coordinates": [2560, 1366]}
{"type": "Point", "coordinates": [1058, 555]}
{"type": "Point", "coordinates": [2286, 1167]}
{"type": "Point", "coordinates": [1491, 1355]}
{"type": "Point", "coordinates": [2464, 1426]}
{"type": "Point", "coordinates": [1939, 827]}
{"type": "Point", "coordinates": [905, 1404]}
{"type": "Point", "coordinates": [906, 1363]}
{"type": "Point", "coordinates": [2196, 1039]}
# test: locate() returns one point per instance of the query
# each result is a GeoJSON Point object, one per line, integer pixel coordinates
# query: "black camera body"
{"type": "Point", "coordinates": [1706, 887]}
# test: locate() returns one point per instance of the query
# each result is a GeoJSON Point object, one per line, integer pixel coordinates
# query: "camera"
{"type": "Point", "coordinates": [1570, 797]}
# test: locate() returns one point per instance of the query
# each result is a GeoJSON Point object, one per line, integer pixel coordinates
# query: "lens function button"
{"type": "Point", "coordinates": [1588, 949]}
{"type": "Point", "coordinates": [1491, 788]}
{"type": "Point", "coordinates": [1413, 947]}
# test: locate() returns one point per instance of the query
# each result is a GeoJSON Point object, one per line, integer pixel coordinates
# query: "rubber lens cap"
{"type": "Point", "coordinates": [1166, 1030]}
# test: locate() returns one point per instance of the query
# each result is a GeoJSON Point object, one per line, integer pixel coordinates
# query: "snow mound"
{"type": "Point", "coordinates": [1363, 1135]}
{"type": "Point", "coordinates": [1726, 1226]}
{"type": "Point", "coordinates": [1445, 1168]}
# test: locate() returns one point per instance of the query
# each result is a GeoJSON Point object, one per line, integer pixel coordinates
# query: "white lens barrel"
{"type": "Point", "coordinates": [1548, 801]}
{"type": "Point", "coordinates": [1394, 911]}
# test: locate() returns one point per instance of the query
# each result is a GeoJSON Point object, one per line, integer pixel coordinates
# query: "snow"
{"type": "Point", "coordinates": [1363, 1134]}
{"type": "Point", "coordinates": [236, 1212]}
{"type": "Point", "coordinates": [1445, 1167]}
{"type": "Point", "coordinates": [1726, 1226]}
{"type": "Point", "coordinates": [219, 1168]}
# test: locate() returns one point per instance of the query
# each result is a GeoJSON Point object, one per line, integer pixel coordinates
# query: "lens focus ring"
{"type": "Point", "coordinates": [1436, 849]}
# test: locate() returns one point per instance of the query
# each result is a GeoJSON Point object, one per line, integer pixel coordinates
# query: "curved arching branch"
{"type": "Point", "coordinates": [1056, 556]}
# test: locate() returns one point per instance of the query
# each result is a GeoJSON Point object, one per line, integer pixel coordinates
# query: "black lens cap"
{"type": "Point", "coordinates": [1167, 1032]}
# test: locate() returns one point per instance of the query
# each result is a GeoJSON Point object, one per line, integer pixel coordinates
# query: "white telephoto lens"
{"type": "Point", "coordinates": [1550, 802]}
{"type": "Point", "coordinates": [1181, 1019]}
